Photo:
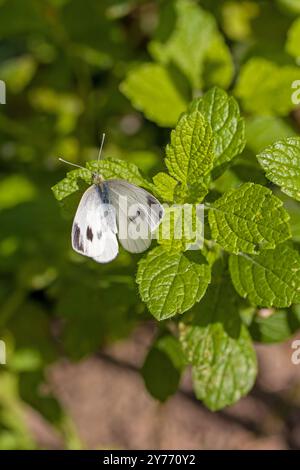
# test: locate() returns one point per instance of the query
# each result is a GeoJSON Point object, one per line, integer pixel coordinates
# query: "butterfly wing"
{"type": "Point", "coordinates": [94, 228]}
{"type": "Point", "coordinates": [138, 214]}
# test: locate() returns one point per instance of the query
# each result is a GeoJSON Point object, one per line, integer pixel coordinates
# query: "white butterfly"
{"type": "Point", "coordinates": [112, 207]}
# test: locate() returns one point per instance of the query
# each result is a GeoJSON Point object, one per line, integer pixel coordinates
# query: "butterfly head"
{"type": "Point", "coordinates": [97, 178]}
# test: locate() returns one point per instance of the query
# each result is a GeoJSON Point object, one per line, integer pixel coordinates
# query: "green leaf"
{"type": "Point", "coordinates": [163, 367]}
{"type": "Point", "coordinates": [218, 346]}
{"type": "Point", "coordinates": [194, 44]}
{"type": "Point", "coordinates": [69, 185]}
{"type": "Point", "coordinates": [223, 114]}
{"type": "Point", "coordinates": [265, 88]}
{"type": "Point", "coordinates": [226, 367]}
{"type": "Point", "coordinates": [189, 156]}
{"type": "Point", "coordinates": [248, 219]}
{"type": "Point", "coordinates": [281, 162]}
{"type": "Point", "coordinates": [293, 39]}
{"type": "Point", "coordinates": [270, 279]}
{"type": "Point", "coordinates": [109, 168]}
{"type": "Point", "coordinates": [237, 19]}
{"type": "Point", "coordinates": [187, 43]}
{"type": "Point", "coordinates": [151, 89]}
{"type": "Point", "coordinates": [164, 186]}
{"type": "Point", "coordinates": [277, 327]}
{"type": "Point", "coordinates": [181, 227]}
{"type": "Point", "coordinates": [171, 282]}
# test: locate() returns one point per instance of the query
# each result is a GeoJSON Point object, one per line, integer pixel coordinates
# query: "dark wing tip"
{"type": "Point", "coordinates": [77, 240]}
{"type": "Point", "coordinates": [151, 199]}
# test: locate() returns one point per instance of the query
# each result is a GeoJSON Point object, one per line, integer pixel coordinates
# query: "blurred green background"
{"type": "Point", "coordinates": [63, 62]}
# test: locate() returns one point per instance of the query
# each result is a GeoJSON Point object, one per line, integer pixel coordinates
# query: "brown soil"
{"type": "Point", "coordinates": [110, 407]}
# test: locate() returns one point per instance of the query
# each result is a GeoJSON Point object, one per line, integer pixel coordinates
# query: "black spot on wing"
{"type": "Point", "coordinates": [160, 214]}
{"type": "Point", "coordinates": [151, 200]}
{"type": "Point", "coordinates": [133, 218]}
{"type": "Point", "coordinates": [89, 234]}
{"type": "Point", "coordinates": [77, 241]}
{"type": "Point", "coordinates": [99, 235]}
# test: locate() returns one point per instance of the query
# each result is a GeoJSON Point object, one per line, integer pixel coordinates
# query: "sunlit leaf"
{"type": "Point", "coordinates": [151, 89]}
{"type": "Point", "coordinates": [190, 154]}
{"type": "Point", "coordinates": [248, 219]}
{"type": "Point", "coordinates": [270, 279]}
{"type": "Point", "coordinates": [281, 162]}
{"type": "Point", "coordinates": [266, 88]}
{"type": "Point", "coordinates": [171, 282]}
{"type": "Point", "coordinates": [228, 127]}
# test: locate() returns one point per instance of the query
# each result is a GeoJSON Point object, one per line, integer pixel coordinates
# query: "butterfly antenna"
{"type": "Point", "coordinates": [100, 151]}
{"type": "Point", "coordinates": [70, 163]}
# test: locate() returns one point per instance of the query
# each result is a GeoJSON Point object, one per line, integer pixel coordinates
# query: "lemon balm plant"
{"type": "Point", "coordinates": [247, 261]}
{"type": "Point", "coordinates": [199, 102]}
{"type": "Point", "coordinates": [207, 302]}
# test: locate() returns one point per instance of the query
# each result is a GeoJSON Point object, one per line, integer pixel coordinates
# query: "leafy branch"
{"type": "Point", "coordinates": [248, 222]}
